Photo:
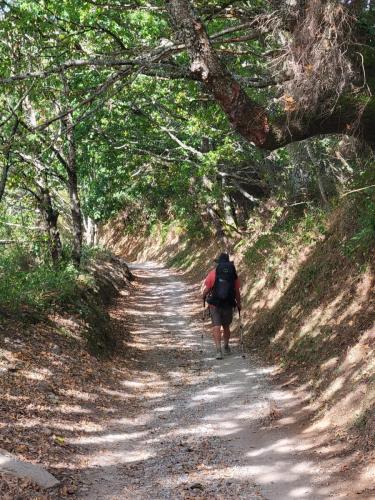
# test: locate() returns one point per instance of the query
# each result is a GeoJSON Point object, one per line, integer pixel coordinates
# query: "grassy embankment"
{"type": "Point", "coordinates": [61, 349]}
{"type": "Point", "coordinates": [33, 291]}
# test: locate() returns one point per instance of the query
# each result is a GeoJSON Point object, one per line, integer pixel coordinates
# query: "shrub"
{"type": "Point", "coordinates": [364, 237]}
{"type": "Point", "coordinates": [28, 282]}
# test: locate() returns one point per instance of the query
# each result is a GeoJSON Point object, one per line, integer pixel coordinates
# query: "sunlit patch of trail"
{"type": "Point", "coordinates": [196, 427]}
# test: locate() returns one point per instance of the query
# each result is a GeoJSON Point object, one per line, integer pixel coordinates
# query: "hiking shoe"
{"type": "Point", "coordinates": [227, 349]}
{"type": "Point", "coordinates": [219, 354]}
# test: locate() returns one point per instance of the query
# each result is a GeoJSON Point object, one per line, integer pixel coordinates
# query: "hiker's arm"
{"type": "Point", "coordinates": [205, 291]}
{"type": "Point", "coordinates": [208, 284]}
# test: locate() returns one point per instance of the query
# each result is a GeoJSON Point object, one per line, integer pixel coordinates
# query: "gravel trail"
{"type": "Point", "coordinates": [196, 427]}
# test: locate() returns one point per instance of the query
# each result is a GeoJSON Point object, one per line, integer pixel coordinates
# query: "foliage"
{"type": "Point", "coordinates": [363, 239]}
{"type": "Point", "coordinates": [28, 282]}
{"type": "Point", "coordinates": [92, 80]}
{"type": "Point", "coordinates": [35, 287]}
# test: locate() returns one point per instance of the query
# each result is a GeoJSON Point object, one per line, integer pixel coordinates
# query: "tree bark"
{"type": "Point", "coordinates": [4, 178]}
{"type": "Point", "coordinates": [319, 170]}
{"type": "Point", "coordinates": [50, 217]}
{"type": "Point", "coordinates": [7, 153]}
{"type": "Point", "coordinates": [43, 199]}
{"type": "Point", "coordinates": [91, 230]}
{"type": "Point", "coordinates": [226, 203]}
{"type": "Point", "coordinates": [246, 116]}
{"type": "Point", "coordinates": [73, 189]}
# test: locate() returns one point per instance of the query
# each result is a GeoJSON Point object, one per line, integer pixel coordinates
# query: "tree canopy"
{"type": "Point", "coordinates": [170, 109]}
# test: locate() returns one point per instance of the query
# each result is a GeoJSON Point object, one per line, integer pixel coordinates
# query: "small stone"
{"type": "Point", "coordinates": [44, 386]}
{"type": "Point", "coordinates": [196, 486]}
{"type": "Point", "coordinates": [56, 349]}
{"type": "Point", "coordinates": [53, 398]}
{"type": "Point", "coordinates": [14, 368]}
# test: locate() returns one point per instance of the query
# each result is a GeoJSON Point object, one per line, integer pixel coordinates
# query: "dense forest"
{"type": "Point", "coordinates": [249, 124]}
{"type": "Point", "coordinates": [170, 110]}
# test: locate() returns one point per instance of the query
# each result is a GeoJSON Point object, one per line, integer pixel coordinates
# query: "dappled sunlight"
{"type": "Point", "coordinates": [184, 403]}
{"type": "Point", "coordinates": [109, 438]}
{"type": "Point", "coordinates": [329, 364]}
{"type": "Point", "coordinates": [84, 396]}
{"type": "Point", "coordinates": [333, 388]}
{"type": "Point", "coordinates": [322, 328]}
{"type": "Point", "coordinates": [202, 420]}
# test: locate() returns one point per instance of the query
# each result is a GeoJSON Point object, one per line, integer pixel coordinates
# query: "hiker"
{"type": "Point", "coordinates": [221, 290]}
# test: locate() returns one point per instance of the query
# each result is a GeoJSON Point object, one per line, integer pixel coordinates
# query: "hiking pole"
{"type": "Point", "coordinates": [241, 334]}
{"type": "Point", "coordinates": [203, 319]}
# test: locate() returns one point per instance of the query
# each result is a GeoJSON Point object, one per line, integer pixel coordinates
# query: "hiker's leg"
{"type": "Point", "coordinates": [216, 334]}
{"type": "Point", "coordinates": [227, 317]}
{"type": "Point", "coordinates": [216, 330]}
{"type": "Point", "coordinates": [226, 335]}
{"type": "Point", "coordinates": [216, 325]}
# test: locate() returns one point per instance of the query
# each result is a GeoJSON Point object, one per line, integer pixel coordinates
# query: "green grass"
{"type": "Point", "coordinates": [28, 283]}
{"type": "Point", "coordinates": [259, 251]}
{"type": "Point", "coordinates": [284, 236]}
{"type": "Point", "coordinates": [364, 237]}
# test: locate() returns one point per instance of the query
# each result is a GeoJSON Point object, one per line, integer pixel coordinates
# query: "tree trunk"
{"type": "Point", "coordinates": [245, 115]}
{"type": "Point", "coordinates": [322, 189]}
{"type": "Point", "coordinates": [7, 153]}
{"type": "Point", "coordinates": [90, 231]}
{"type": "Point", "coordinates": [226, 202]}
{"type": "Point", "coordinates": [73, 189]}
{"type": "Point", "coordinates": [216, 221]}
{"type": "Point", "coordinates": [319, 169]}
{"type": "Point", "coordinates": [43, 199]}
{"type": "Point", "coordinates": [3, 179]}
{"type": "Point", "coordinates": [50, 217]}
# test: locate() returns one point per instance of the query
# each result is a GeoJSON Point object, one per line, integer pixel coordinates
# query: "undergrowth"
{"type": "Point", "coordinates": [284, 235]}
{"type": "Point", "coordinates": [29, 284]}
{"type": "Point", "coordinates": [363, 238]}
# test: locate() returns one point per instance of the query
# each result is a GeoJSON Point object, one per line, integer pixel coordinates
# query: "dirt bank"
{"type": "Point", "coordinates": [50, 371]}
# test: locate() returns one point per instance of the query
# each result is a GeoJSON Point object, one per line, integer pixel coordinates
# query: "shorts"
{"type": "Point", "coordinates": [221, 316]}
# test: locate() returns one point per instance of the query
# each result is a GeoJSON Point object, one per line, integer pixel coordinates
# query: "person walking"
{"type": "Point", "coordinates": [221, 290]}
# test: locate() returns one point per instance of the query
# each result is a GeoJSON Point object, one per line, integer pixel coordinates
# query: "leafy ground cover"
{"type": "Point", "coordinates": [48, 368]}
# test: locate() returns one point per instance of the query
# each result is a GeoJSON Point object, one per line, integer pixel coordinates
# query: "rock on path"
{"type": "Point", "coordinates": [12, 465]}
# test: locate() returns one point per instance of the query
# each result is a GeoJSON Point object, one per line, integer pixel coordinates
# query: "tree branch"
{"type": "Point", "coordinates": [159, 53]}
{"type": "Point", "coordinates": [246, 116]}
{"type": "Point", "coordinates": [7, 151]}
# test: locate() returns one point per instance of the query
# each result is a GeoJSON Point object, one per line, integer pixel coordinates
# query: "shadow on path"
{"type": "Point", "coordinates": [192, 426]}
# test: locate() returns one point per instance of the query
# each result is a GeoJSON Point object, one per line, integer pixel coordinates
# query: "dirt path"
{"type": "Point", "coordinates": [196, 427]}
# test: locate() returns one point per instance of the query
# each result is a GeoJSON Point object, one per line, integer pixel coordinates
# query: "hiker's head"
{"type": "Point", "coordinates": [223, 257]}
